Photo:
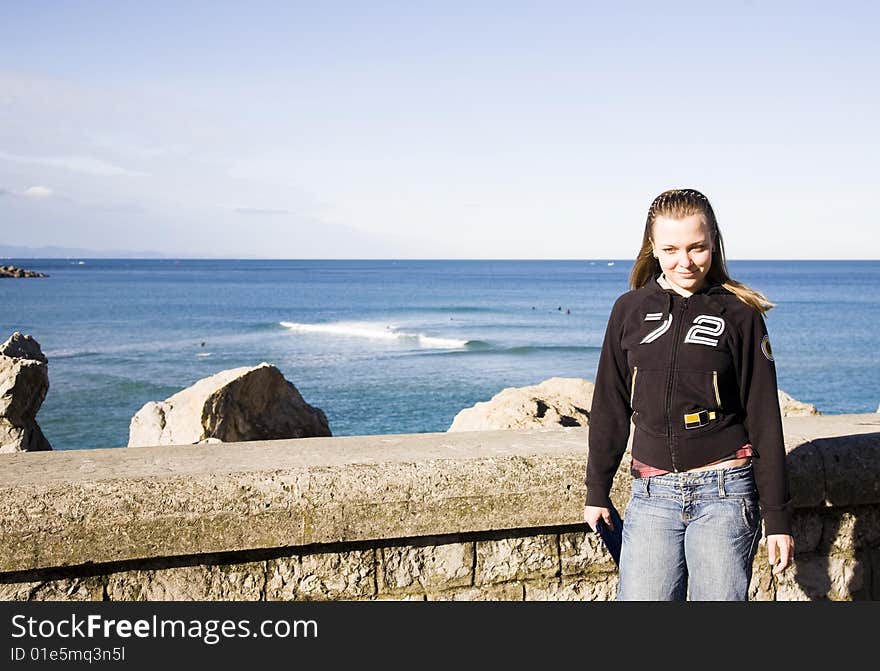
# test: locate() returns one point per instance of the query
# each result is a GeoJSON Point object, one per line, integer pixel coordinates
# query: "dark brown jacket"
{"type": "Point", "coordinates": [696, 376]}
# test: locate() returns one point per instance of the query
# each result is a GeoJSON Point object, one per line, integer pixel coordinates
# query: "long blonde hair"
{"type": "Point", "coordinates": [677, 204]}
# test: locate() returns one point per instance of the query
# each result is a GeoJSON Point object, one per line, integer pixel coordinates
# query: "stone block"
{"type": "Point", "coordinates": [866, 532]}
{"type": "Point", "coordinates": [511, 591]}
{"type": "Point", "coordinates": [516, 559]}
{"type": "Point", "coordinates": [851, 464]}
{"type": "Point", "coordinates": [222, 582]}
{"type": "Point", "coordinates": [17, 591]}
{"type": "Point", "coordinates": [70, 589]}
{"type": "Point", "coordinates": [582, 553]}
{"type": "Point", "coordinates": [838, 532]}
{"type": "Point", "coordinates": [345, 576]}
{"type": "Point", "coordinates": [807, 530]}
{"type": "Point", "coordinates": [596, 587]}
{"type": "Point", "coordinates": [763, 585]}
{"type": "Point", "coordinates": [425, 568]}
{"type": "Point", "coordinates": [821, 577]}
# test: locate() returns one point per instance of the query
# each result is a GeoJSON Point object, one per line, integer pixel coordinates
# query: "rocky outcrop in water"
{"type": "Point", "coordinates": [791, 407]}
{"type": "Point", "coordinates": [240, 404]}
{"type": "Point", "coordinates": [555, 403]}
{"type": "Point", "coordinates": [12, 271]}
{"type": "Point", "coordinates": [24, 382]}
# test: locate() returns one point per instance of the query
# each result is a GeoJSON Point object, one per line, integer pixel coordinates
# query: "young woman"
{"type": "Point", "coordinates": [686, 358]}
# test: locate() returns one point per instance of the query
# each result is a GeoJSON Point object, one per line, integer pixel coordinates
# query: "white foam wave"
{"type": "Point", "coordinates": [375, 332]}
{"type": "Point", "coordinates": [69, 353]}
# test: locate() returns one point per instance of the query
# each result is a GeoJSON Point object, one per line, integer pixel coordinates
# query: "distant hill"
{"type": "Point", "coordinates": [13, 252]}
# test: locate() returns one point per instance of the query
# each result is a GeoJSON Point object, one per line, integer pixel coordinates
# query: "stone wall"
{"type": "Point", "coordinates": [488, 515]}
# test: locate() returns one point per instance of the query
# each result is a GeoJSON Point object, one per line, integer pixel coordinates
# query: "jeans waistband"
{"type": "Point", "coordinates": [737, 479]}
{"type": "Point", "coordinates": [707, 476]}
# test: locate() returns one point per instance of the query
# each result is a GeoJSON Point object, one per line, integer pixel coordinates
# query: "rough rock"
{"type": "Point", "coordinates": [24, 382]}
{"type": "Point", "coordinates": [12, 271]}
{"type": "Point", "coordinates": [790, 406]}
{"type": "Point", "coordinates": [240, 404]}
{"type": "Point", "coordinates": [555, 403]}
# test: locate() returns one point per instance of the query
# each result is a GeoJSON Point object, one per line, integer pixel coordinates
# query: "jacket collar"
{"type": "Point", "coordinates": [661, 299]}
{"type": "Point", "coordinates": [707, 288]}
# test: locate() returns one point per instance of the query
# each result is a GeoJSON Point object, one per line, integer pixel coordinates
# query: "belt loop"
{"type": "Point", "coordinates": [721, 492]}
{"type": "Point", "coordinates": [648, 486]}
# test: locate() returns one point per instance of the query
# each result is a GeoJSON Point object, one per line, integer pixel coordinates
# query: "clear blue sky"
{"type": "Point", "coordinates": [436, 129]}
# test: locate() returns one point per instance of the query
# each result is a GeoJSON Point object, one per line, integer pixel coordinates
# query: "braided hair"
{"type": "Point", "coordinates": [678, 204]}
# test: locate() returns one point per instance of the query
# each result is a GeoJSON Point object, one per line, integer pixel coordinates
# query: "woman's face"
{"type": "Point", "coordinates": [684, 249]}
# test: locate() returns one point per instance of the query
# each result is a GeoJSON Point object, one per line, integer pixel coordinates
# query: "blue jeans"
{"type": "Point", "coordinates": [690, 535]}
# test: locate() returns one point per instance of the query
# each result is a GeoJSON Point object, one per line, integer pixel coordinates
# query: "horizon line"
{"type": "Point", "coordinates": [346, 258]}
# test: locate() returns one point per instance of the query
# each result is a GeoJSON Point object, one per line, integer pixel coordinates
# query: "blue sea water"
{"type": "Point", "coordinates": [393, 346]}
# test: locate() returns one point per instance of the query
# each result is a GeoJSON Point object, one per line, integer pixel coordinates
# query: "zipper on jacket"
{"type": "Point", "coordinates": [715, 384]}
{"type": "Point", "coordinates": [670, 378]}
{"type": "Point", "coordinates": [632, 388]}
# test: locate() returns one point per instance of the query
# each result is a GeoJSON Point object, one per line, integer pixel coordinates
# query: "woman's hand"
{"type": "Point", "coordinates": [780, 551]}
{"type": "Point", "coordinates": [592, 514]}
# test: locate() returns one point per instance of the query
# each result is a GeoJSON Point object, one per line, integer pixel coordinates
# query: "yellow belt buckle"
{"type": "Point", "coordinates": [694, 420]}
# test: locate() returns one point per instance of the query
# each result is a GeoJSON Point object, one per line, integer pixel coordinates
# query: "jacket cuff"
{"type": "Point", "coordinates": [598, 495]}
{"type": "Point", "coordinates": [777, 522]}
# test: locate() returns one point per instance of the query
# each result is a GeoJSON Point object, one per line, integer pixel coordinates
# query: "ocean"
{"type": "Point", "coordinates": [390, 346]}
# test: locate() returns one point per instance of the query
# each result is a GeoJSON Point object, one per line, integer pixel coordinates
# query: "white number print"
{"type": "Point", "coordinates": [705, 330]}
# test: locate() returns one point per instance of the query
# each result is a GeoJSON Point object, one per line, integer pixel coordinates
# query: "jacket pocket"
{"type": "Point", "coordinates": [697, 390]}
{"type": "Point", "coordinates": [648, 399]}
